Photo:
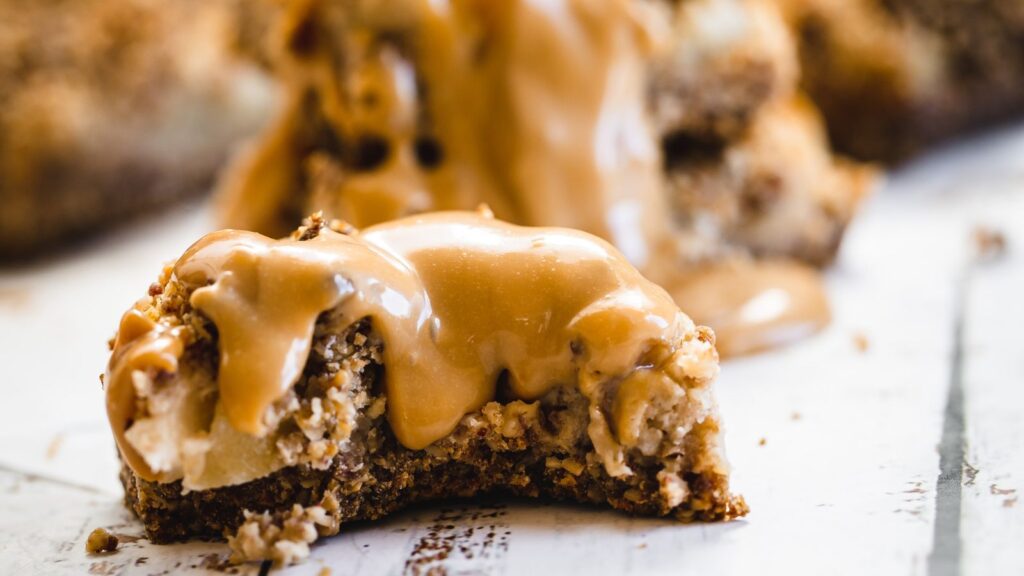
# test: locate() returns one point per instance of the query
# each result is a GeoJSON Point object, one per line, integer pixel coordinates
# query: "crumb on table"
{"type": "Point", "coordinates": [100, 541]}
{"type": "Point", "coordinates": [989, 242]}
{"type": "Point", "coordinates": [861, 342]}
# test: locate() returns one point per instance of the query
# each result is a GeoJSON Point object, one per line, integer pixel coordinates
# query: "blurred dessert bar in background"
{"type": "Point", "coordinates": [893, 77]}
{"type": "Point", "coordinates": [673, 129]}
{"type": "Point", "coordinates": [109, 108]}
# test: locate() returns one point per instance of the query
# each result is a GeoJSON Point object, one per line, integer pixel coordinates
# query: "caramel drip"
{"type": "Point", "coordinates": [557, 128]}
{"type": "Point", "coordinates": [143, 346]}
{"type": "Point", "coordinates": [754, 306]}
{"type": "Point", "coordinates": [460, 301]}
{"type": "Point", "coordinates": [263, 301]}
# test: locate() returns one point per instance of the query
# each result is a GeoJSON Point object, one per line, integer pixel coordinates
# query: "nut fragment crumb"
{"type": "Point", "coordinates": [989, 242]}
{"type": "Point", "coordinates": [861, 342]}
{"type": "Point", "coordinates": [55, 445]}
{"type": "Point", "coordinates": [325, 571]}
{"type": "Point", "coordinates": [762, 441]}
{"type": "Point", "coordinates": [971, 473]}
{"type": "Point", "coordinates": [997, 491]}
{"type": "Point", "coordinates": [795, 416]}
{"type": "Point", "coordinates": [100, 540]}
{"type": "Point", "coordinates": [285, 537]}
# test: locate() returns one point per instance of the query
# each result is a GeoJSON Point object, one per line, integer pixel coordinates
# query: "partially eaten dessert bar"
{"type": "Point", "coordinates": [273, 390]}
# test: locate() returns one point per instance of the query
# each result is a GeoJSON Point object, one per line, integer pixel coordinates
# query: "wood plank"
{"type": "Point", "coordinates": [843, 483]}
{"type": "Point", "coordinates": [993, 516]}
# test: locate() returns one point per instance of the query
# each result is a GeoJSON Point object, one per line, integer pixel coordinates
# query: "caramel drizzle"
{"type": "Point", "coordinates": [755, 306]}
{"type": "Point", "coordinates": [145, 346]}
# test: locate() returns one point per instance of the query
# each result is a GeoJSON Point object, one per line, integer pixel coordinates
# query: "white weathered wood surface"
{"type": "Point", "coordinates": [853, 460]}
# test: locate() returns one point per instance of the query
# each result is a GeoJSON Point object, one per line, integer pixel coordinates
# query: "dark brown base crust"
{"type": "Point", "coordinates": [395, 478]}
{"type": "Point", "coordinates": [371, 486]}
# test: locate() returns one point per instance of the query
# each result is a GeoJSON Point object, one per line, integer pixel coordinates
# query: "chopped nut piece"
{"type": "Point", "coordinates": [100, 541]}
{"type": "Point", "coordinates": [861, 342]}
{"type": "Point", "coordinates": [283, 538]}
{"type": "Point", "coordinates": [989, 242]}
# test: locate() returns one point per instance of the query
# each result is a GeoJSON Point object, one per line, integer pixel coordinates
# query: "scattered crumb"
{"type": "Point", "coordinates": [795, 416]}
{"type": "Point", "coordinates": [971, 472]}
{"type": "Point", "coordinates": [642, 545]}
{"type": "Point", "coordinates": [100, 541]}
{"type": "Point", "coordinates": [342, 227]}
{"type": "Point", "coordinates": [918, 488]}
{"type": "Point", "coordinates": [1010, 502]}
{"type": "Point", "coordinates": [325, 571]}
{"type": "Point", "coordinates": [762, 441]}
{"type": "Point", "coordinates": [14, 297]}
{"type": "Point", "coordinates": [861, 342]}
{"type": "Point", "coordinates": [283, 538]}
{"type": "Point", "coordinates": [214, 562]}
{"type": "Point", "coordinates": [997, 491]}
{"type": "Point", "coordinates": [989, 242]}
{"type": "Point", "coordinates": [485, 211]}
{"type": "Point", "coordinates": [54, 447]}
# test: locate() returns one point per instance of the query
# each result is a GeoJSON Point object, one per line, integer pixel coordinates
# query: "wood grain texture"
{"type": "Point", "coordinates": [835, 442]}
{"type": "Point", "coordinates": [993, 516]}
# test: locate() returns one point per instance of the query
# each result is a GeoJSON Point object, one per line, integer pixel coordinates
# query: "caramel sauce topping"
{"type": "Point", "coordinates": [755, 306]}
{"type": "Point", "coordinates": [141, 345]}
{"type": "Point", "coordinates": [461, 302]}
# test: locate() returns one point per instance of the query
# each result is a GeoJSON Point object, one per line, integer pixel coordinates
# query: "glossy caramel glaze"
{"type": "Point", "coordinates": [142, 345]}
{"type": "Point", "coordinates": [755, 306]}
